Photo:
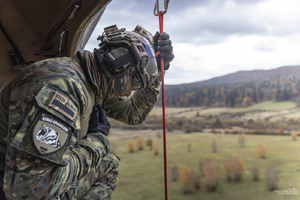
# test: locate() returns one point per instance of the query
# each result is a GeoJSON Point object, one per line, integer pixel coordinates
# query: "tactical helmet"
{"type": "Point", "coordinates": [130, 56]}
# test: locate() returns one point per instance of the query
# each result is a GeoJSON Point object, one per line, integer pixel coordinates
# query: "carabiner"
{"type": "Point", "coordinates": [156, 7]}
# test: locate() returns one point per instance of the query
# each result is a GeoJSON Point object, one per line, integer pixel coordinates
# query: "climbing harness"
{"type": "Point", "coordinates": [160, 14]}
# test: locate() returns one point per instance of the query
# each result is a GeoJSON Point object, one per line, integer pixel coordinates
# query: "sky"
{"type": "Point", "coordinates": [213, 38]}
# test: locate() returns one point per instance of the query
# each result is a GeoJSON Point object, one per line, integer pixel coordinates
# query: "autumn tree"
{"type": "Point", "coordinates": [211, 174]}
{"type": "Point", "coordinates": [130, 147]}
{"type": "Point", "coordinates": [140, 143]}
{"type": "Point", "coordinates": [294, 135]}
{"type": "Point", "coordinates": [234, 169]}
{"type": "Point", "coordinates": [186, 180]}
{"type": "Point", "coordinates": [241, 140]}
{"type": "Point", "coordinates": [261, 151]}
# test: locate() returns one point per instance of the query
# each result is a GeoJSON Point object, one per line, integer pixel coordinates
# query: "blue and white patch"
{"type": "Point", "coordinates": [48, 135]}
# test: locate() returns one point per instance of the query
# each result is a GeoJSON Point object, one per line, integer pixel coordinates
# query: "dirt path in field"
{"type": "Point", "coordinates": [117, 134]}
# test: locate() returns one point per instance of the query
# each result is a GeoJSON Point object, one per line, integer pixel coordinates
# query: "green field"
{"type": "Point", "coordinates": [141, 173]}
{"type": "Point", "coordinates": [190, 111]}
{"type": "Point", "coordinates": [271, 105]}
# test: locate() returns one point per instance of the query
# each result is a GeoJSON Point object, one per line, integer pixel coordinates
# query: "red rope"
{"type": "Point", "coordinates": [161, 25]}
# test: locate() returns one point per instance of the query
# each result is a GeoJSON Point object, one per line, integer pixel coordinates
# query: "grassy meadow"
{"type": "Point", "coordinates": [190, 111]}
{"type": "Point", "coordinates": [141, 173]}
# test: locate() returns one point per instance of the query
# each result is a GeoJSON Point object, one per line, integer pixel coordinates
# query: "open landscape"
{"type": "Point", "coordinates": [231, 76]}
{"type": "Point", "coordinates": [141, 172]}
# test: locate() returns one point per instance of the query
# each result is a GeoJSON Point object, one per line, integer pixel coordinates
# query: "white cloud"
{"type": "Point", "coordinates": [195, 63]}
{"type": "Point", "coordinates": [216, 37]}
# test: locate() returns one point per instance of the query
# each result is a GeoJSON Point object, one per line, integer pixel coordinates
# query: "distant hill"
{"type": "Point", "coordinates": [238, 89]}
{"type": "Point", "coordinates": [254, 75]}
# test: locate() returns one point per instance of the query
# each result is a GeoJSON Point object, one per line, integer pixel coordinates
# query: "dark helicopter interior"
{"type": "Point", "coordinates": [33, 30]}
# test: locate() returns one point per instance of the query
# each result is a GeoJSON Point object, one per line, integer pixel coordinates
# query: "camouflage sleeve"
{"type": "Point", "coordinates": [44, 158]}
{"type": "Point", "coordinates": [134, 109]}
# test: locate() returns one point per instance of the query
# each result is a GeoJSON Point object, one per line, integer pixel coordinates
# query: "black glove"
{"type": "Point", "coordinates": [98, 121]}
{"type": "Point", "coordinates": [165, 46]}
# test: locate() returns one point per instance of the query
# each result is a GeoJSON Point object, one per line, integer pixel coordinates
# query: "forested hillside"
{"type": "Point", "coordinates": [239, 89]}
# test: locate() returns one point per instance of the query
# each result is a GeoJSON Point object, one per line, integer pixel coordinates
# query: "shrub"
{"type": "Point", "coordinates": [149, 143]}
{"type": "Point", "coordinates": [201, 167]}
{"type": "Point", "coordinates": [250, 121]}
{"type": "Point", "coordinates": [186, 180]}
{"type": "Point", "coordinates": [241, 140]}
{"type": "Point", "coordinates": [261, 151]}
{"type": "Point", "coordinates": [189, 147]}
{"type": "Point", "coordinates": [272, 177]}
{"type": "Point", "coordinates": [234, 168]}
{"type": "Point", "coordinates": [174, 172]}
{"type": "Point", "coordinates": [280, 131]}
{"type": "Point", "coordinates": [185, 174]}
{"type": "Point", "coordinates": [158, 135]}
{"type": "Point", "coordinates": [188, 129]}
{"type": "Point", "coordinates": [211, 174]}
{"type": "Point", "coordinates": [255, 174]}
{"type": "Point", "coordinates": [214, 146]}
{"type": "Point", "coordinates": [218, 123]}
{"type": "Point", "coordinates": [140, 143]}
{"type": "Point", "coordinates": [196, 179]}
{"type": "Point", "coordinates": [294, 135]}
{"type": "Point", "coordinates": [130, 147]}
{"type": "Point", "coordinates": [154, 148]}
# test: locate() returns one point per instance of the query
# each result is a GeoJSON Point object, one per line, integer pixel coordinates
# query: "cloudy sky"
{"type": "Point", "coordinates": [216, 37]}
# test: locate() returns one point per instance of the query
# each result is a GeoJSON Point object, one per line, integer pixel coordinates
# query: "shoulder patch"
{"type": "Point", "coordinates": [64, 105]}
{"type": "Point", "coordinates": [49, 134]}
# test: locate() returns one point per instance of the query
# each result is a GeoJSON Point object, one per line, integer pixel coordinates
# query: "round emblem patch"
{"type": "Point", "coordinates": [49, 134]}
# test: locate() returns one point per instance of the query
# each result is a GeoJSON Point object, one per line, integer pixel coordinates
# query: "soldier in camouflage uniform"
{"type": "Point", "coordinates": [53, 126]}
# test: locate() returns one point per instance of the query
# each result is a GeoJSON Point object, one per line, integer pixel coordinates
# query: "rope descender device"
{"type": "Point", "coordinates": [160, 14]}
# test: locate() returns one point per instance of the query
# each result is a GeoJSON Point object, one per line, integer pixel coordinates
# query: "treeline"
{"type": "Point", "coordinates": [234, 94]}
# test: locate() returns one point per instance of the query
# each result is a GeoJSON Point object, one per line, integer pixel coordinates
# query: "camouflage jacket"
{"type": "Point", "coordinates": [44, 115]}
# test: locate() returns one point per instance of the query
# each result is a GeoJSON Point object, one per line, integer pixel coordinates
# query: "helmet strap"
{"type": "Point", "coordinates": [115, 85]}
{"type": "Point", "coordinates": [103, 73]}
{"type": "Point", "coordinates": [120, 84]}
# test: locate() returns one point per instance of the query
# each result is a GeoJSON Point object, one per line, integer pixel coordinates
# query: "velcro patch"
{"type": "Point", "coordinates": [64, 105]}
{"type": "Point", "coordinates": [49, 134]}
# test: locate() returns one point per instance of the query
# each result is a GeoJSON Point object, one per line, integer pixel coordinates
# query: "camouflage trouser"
{"type": "Point", "coordinates": [104, 180]}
